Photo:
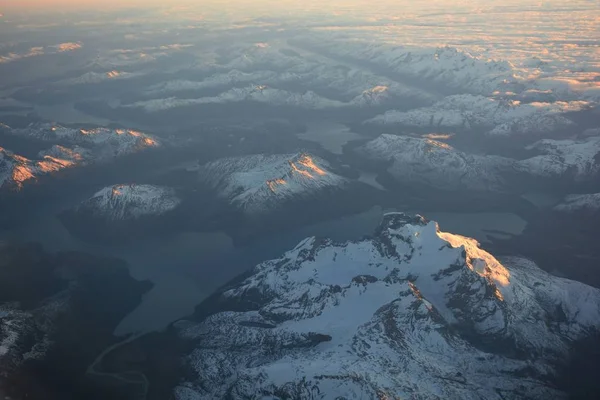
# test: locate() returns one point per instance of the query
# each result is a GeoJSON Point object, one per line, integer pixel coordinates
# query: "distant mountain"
{"type": "Point", "coordinates": [231, 78]}
{"type": "Point", "coordinates": [16, 170]}
{"type": "Point", "coordinates": [375, 96]}
{"type": "Point", "coordinates": [259, 93]}
{"type": "Point", "coordinates": [495, 117]}
{"type": "Point", "coordinates": [448, 68]}
{"type": "Point", "coordinates": [105, 141]}
{"type": "Point", "coordinates": [577, 160]}
{"type": "Point", "coordinates": [411, 311]}
{"type": "Point", "coordinates": [98, 77]}
{"type": "Point", "coordinates": [261, 184]}
{"type": "Point", "coordinates": [121, 212]}
{"type": "Point", "coordinates": [437, 164]}
{"type": "Point", "coordinates": [71, 147]}
{"type": "Point", "coordinates": [580, 203]}
{"type": "Point", "coordinates": [129, 202]}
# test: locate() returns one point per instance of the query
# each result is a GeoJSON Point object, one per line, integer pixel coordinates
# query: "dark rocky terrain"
{"type": "Point", "coordinates": [57, 314]}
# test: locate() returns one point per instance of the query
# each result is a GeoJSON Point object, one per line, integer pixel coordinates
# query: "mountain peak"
{"type": "Point", "coordinates": [130, 201]}
{"type": "Point", "coordinates": [396, 314]}
{"type": "Point", "coordinates": [257, 182]}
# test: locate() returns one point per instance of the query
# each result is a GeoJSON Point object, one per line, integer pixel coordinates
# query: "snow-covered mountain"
{"type": "Point", "coordinates": [113, 142]}
{"type": "Point", "coordinates": [374, 96]}
{"type": "Point", "coordinates": [260, 94]}
{"type": "Point", "coordinates": [255, 57]}
{"type": "Point", "coordinates": [129, 202]}
{"type": "Point", "coordinates": [410, 312]}
{"type": "Point", "coordinates": [437, 164]}
{"type": "Point", "coordinates": [496, 117]}
{"type": "Point", "coordinates": [574, 159]}
{"type": "Point", "coordinates": [446, 67]}
{"type": "Point", "coordinates": [81, 147]}
{"type": "Point", "coordinates": [261, 183]}
{"type": "Point", "coordinates": [573, 203]}
{"type": "Point", "coordinates": [15, 170]}
{"type": "Point", "coordinates": [233, 78]}
{"type": "Point", "coordinates": [280, 66]}
{"type": "Point", "coordinates": [98, 77]}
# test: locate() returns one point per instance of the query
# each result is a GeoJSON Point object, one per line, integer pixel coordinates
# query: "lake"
{"type": "Point", "coordinates": [332, 136]}
{"type": "Point", "coordinates": [189, 266]}
{"type": "Point", "coordinates": [186, 267]}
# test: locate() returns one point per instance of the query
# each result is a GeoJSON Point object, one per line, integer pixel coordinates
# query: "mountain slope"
{"type": "Point", "coordinates": [496, 117]}
{"type": "Point", "coordinates": [574, 203]}
{"type": "Point", "coordinates": [446, 68]}
{"type": "Point", "coordinates": [15, 170]}
{"type": "Point", "coordinates": [436, 164]}
{"type": "Point", "coordinates": [261, 183]}
{"type": "Point", "coordinates": [57, 313]}
{"type": "Point", "coordinates": [260, 94]}
{"type": "Point", "coordinates": [125, 212]}
{"type": "Point", "coordinates": [70, 148]}
{"type": "Point", "coordinates": [129, 202]}
{"type": "Point", "coordinates": [410, 312]}
{"type": "Point", "coordinates": [106, 141]}
{"type": "Point", "coordinates": [573, 159]}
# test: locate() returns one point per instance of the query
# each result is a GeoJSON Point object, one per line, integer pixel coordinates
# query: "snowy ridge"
{"type": "Point", "coordinates": [99, 77]}
{"type": "Point", "coordinates": [25, 334]}
{"type": "Point", "coordinates": [115, 141]}
{"type": "Point", "coordinates": [130, 202]}
{"type": "Point", "coordinates": [252, 58]}
{"type": "Point", "coordinates": [85, 147]}
{"type": "Point", "coordinates": [263, 66]}
{"type": "Point", "coordinates": [589, 203]}
{"type": "Point", "coordinates": [260, 94]}
{"type": "Point", "coordinates": [410, 312]}
{"type": "Point", "coordinates": [576, 159]}
{"type": "Point", "coordinates": [15, 170]}
{"type": "Point", "coordinates": [259, 183]}
{"type": "Point", "coordinates": [498, 117]}
{"type": "Point", "coordinates": [437, 164]}
{"type": "Point", "coordinates": [233, 77]}
{"type": "Point", "coordinates": [373, 97]}
{"type": "Point", "coordinates": [445, 66]}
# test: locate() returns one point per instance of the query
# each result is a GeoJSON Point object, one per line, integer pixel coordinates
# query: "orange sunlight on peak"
{"type": "Point", "coordinates": [308, 162]}
{"type": "Point", "coordinates": [482, 262]}
{"type": "Point", "coordinates": [306, 167]}
{"type": "Point", "coordinates": [301, 171]}
{"type": "Point", "coordinates": [273, 183]}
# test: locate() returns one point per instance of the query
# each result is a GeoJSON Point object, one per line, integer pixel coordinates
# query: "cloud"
{"type": "Point", "coordinates": [10, 57]}
{"type": "Point", "coordinates": [565, 86]}
{"type": "Point", "coordinates": [38, 51]}
{"type": "Point", "coordinates": [69, 46]}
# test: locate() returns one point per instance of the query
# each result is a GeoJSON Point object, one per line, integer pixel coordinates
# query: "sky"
{"type": "Point", "coordinates": [43, 5]}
